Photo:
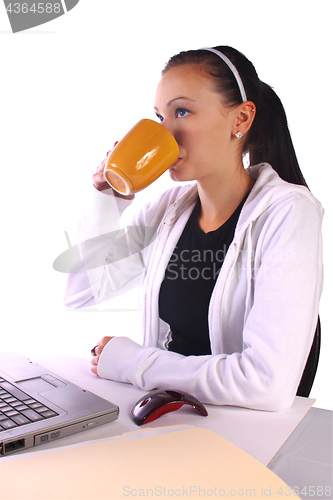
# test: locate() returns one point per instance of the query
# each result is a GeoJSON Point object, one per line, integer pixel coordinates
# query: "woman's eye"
{"type": "Point", "coordinates": [181, 112]}
{"type": "Point", "coordinates": [160, 117]}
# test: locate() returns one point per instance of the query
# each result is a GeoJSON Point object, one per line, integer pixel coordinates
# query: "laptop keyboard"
{"type": "Point", "coordinates": [17, 408]}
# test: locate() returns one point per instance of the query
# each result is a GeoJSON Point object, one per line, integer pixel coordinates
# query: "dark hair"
{"type": "Point", "coordinates": [268, 139]}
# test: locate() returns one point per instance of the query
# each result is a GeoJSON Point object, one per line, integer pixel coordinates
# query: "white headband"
{"type": "Point", "coordinates": [233, 69]}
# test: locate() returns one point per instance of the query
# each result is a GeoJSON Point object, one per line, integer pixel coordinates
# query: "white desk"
{"type": "Point", "coordinates": [304, 461]}
{"type": "Point", "coordinates": [258, 433]}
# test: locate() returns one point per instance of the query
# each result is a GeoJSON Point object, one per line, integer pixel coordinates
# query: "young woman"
{"type": "Point", "coordinates": [231, 285]}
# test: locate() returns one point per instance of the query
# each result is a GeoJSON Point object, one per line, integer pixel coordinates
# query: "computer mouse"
{"type": "Point", "coordinates": [158, 402]}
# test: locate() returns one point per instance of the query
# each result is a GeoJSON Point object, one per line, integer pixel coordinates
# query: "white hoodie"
{"type": "Point", "coordinates": [263, 310]}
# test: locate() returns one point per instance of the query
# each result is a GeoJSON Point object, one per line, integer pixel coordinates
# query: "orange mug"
{"type": "Point", "coordinates": [143, 155]}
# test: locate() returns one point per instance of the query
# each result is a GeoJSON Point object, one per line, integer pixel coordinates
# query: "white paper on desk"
{"type": "Point", "coordinates": [189, 463]}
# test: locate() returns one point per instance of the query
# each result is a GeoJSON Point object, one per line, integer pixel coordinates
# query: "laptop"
{"type": "Point", "coordinates": [37, 406]}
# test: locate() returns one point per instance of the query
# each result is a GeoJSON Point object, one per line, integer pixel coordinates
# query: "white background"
{"type": "Point", "coordinates": [70, 88]}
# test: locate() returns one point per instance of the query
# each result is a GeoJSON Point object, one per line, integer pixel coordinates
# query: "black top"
{"type": "Point", "coordinates": [189, 281]}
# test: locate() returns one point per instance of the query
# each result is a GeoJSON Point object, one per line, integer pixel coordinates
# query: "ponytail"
{"type": "Point", "coordinates": [268, 139]}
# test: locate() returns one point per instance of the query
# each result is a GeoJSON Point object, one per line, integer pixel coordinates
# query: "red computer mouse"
{"type": "Point", "coordinates": [156, 403]}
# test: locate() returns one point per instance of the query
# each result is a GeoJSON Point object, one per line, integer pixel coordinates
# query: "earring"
{"type": "Point", "coordinates": [239, 135]}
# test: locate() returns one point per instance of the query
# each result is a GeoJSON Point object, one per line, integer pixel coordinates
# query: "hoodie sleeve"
{"type": "Point", "coordinates": [97, 262]}
{"type": "Point", "coordinates": [284, 287]}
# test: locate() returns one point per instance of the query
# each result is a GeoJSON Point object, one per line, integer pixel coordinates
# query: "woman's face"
{"type": "Point", "coordinates": [189, 108]}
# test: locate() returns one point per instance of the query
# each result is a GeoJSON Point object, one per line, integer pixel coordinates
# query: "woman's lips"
{"type": "Point", "coordinates": [176, 162]}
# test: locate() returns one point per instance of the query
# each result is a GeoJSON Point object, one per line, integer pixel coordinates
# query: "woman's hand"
{"type": "Point", "coordinates": [99, 180]}
{"type": "Point", "coordinates": [98, 351]}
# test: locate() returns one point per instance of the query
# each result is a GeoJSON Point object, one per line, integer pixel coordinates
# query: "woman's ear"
{"type": "Point", "coordinates": [244, 118]}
